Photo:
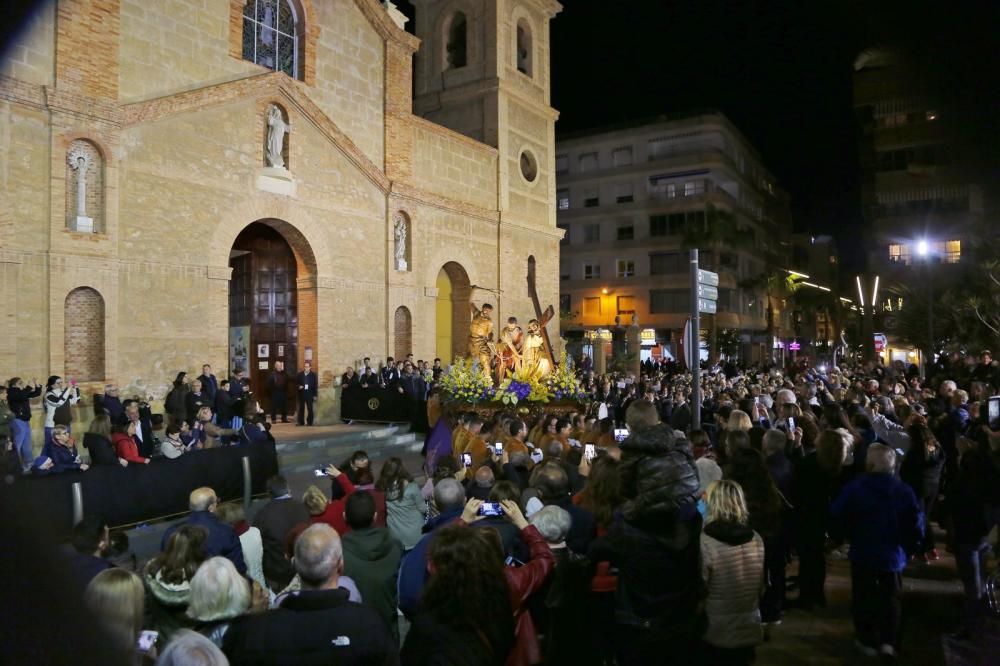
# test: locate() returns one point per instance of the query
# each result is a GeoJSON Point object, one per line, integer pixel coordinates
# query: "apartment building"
{"type": "Point", "coordinates": [633, 198]}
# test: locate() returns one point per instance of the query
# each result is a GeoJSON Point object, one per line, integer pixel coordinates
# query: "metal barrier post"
{"type": "Point", "coordinates": [77, 502]}
{"type": "Point", "coordinates": [247, 483]}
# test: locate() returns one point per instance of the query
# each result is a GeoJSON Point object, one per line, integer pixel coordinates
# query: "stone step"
{"type": "Point", "coordinates": [304, 456]}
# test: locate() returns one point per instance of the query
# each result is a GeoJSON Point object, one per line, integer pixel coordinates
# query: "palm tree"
{"type": "Point", "coordinates": [775, 281]}
{"type": "Point", "coordinates": [720, 229]}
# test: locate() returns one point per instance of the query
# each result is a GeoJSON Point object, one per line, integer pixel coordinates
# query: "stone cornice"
{"type": "Point", "coordinates": [385, 26]}
{"type": "Point", "coordinates": [441, 130]}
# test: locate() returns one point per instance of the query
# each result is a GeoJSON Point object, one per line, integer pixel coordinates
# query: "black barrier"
{"type": "Point", "coordinates": [139, 493]}
{"type": "Point", "coordinates": [385, 405]}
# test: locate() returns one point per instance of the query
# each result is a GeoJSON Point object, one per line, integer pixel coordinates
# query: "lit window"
{"type": "Point", "coordinates": [271, 35]}
{"type": "Point", "coordinates": [671, 190]}
{"type": "Point", "coordinates": [693, 187]}
{"type": "Point", "coordinates": [562, 197]}
{"type": "Point", "coordinates": [899, 254]}
{"type": "Point", "coordinates": [591, 271]}
{"type": "Point", "coordinates": [952, 252]}
{"type": "Point", "coordinates": [625, 268]}
{"type": "Point", "coordinates": [626, 305]}
{"type": "Point", "coordinates": [592, 306]}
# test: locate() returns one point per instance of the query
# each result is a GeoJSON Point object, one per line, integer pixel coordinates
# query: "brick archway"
{"type": "Point", "coordinates": [452, 312]}
{"type": "Point", "coordinates": [84, 335]}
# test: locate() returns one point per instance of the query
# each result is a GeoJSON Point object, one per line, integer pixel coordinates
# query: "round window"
{"type": "Point", "coordinates": [529, 166]}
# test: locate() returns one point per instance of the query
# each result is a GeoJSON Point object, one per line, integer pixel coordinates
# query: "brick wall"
{"type": "Point", "coordinates": [403, 332]}
{"type": "Point", "coordinates": [84, 340]}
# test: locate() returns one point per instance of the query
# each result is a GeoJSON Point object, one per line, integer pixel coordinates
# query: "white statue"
{"type": "Point", "coordinates": [276, 129]}
{"type": "Point", "coordinates": [399, 232]}
{"type": "Point", "coordinates": [80, 162]}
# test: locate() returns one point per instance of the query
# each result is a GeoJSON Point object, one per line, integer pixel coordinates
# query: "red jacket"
{"type": "Point", "coordinates": [333, 515]}
{"type": "Point", "coordinates": [127, 448]}
{"type": "Point", "coordinates": [522, 583]}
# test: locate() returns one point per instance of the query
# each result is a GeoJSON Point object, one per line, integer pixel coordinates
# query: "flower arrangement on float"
{"type": "Point", "coordinates": [466, 383]}
{"type": "Point", "coordinates": [562, 382]}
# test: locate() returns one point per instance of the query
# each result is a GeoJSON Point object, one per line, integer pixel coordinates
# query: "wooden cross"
{"type": "Point", "coordinates": [542, 317]}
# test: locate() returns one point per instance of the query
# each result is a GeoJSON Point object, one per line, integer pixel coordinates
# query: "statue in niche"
{"type": "Point", "coordinates": [399, 234]}
{"type": "Point", "coordinates": [80, 162]}
{"type": "Point", "coordinates": [276, 130]}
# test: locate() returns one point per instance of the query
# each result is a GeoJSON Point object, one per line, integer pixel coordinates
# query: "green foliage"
{"type": "Point", "coordinates": [728, 340]}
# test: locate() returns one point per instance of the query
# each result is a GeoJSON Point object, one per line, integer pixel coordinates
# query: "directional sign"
{"type": "Point", "coordinates": [708, 292]}
{"type": "Point", "coordinates": [708, 278]}
{"type": "Point", "coordinates": [706, 306]}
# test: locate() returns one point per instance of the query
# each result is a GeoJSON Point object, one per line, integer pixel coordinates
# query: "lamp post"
{"type": "Point", "coordinates": [923, 250]}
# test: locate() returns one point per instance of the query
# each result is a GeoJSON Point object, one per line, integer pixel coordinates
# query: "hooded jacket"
{"type": "Point", "coordinates": [371, 558]}
{"type": "Point", "coordinates": [732, 565]}
{"type": "Point", "coordinates": [881, 517]}
{"type": "Point", "coordinates": [658, 476]}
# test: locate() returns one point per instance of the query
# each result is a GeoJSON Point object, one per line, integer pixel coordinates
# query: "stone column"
{"type": "Point", "coordinates": [600, 358]}
{"type": "Point", "coordinates": [634, 348]}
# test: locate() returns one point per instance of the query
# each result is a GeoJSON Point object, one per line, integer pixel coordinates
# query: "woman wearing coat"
{"type": "Point", "coordinates": [732, 566]}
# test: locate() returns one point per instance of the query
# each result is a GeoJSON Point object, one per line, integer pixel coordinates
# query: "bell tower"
{"type": "Point", "coordinates": [483, 70]}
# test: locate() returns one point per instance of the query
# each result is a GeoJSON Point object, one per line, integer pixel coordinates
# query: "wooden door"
{"type": "Point", "coordinates": [263, 296]}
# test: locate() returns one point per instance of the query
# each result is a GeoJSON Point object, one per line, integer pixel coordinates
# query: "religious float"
{"type": "Point", "coordinates": [516, 373]}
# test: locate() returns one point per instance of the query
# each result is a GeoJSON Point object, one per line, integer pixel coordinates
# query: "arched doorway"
{"type": "Point", "coordinates": [452, 312]}
{"type": "Point", "coordinates": [272, 306]}
{"type": "Point", "coordinates": [403, 332]}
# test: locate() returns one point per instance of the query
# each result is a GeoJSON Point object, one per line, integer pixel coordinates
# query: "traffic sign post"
{"type": "Point", "coordinates": [704, 297]}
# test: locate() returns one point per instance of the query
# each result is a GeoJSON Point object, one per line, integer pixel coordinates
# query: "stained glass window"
{"type": "Point", "coordinates": [271, 35]}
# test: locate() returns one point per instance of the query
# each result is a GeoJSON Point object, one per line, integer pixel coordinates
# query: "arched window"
{"type": "Point", "coordinates": [272, 35]}
{"type": "Point", "coordinates": [403, 332]}
{"type": "Point", "coordinates": [524, 54]}
{"type": "Point", "coordinates": [83, 343]}
{"type": "Point", "coordinates": [457, 42]}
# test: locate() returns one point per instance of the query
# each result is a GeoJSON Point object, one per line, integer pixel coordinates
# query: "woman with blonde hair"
{"type": "Point", "coordinates": [732, 566]}
{"type": "Point", "coordinates": [117, 598]}
{"type": "Point", "coordinates": [219, 594]}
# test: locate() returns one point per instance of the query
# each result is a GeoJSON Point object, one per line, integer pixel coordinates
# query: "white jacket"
{"type": "Point", "coordinates": [54, 400]}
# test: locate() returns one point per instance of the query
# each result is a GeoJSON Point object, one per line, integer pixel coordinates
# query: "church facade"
{"type": "Point", "coordinates": [241, 182]}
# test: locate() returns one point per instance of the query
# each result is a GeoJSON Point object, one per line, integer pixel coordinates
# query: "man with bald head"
{"type": "Point", "coordinates": [221, 539]}
{"type": "Point", "coordinates": [480, 486]}
{"type": "Point", "coordinates": [317, 624]}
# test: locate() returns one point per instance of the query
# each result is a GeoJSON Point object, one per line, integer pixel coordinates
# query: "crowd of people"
{"type": "Point", "coordinates": [668, 540]}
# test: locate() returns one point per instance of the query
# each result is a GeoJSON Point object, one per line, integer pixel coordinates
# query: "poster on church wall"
{"type": "Point", "coordinates": [239, 345]}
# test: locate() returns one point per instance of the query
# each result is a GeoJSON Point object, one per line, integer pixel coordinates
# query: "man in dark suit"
{"type": "Point", "coordinates": [277, 384]}
{"type": "Point", "coordinates": [389, 374]}
{"type": "Point", "coordinates": [307, 393]}
{"type": "Point", "coordinates": [275, 520]}
{"type": "Point", "coordinates": [209, 383]}
{"type": "Point", "coordinates": [222, 540]}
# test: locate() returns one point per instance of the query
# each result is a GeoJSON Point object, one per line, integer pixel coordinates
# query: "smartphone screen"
{"type": "Point", "coordinates": [490, 509]}
{"type": "Point", "coordinates": [498, 446]}
{"type": "Point", "coordinates": [621, 434]}
{"type": "Point", "coordinates": [791, 424]}
{"type": "Point", "coordinates": [590, 451]}
{"type": "Point", "coordinates": [993, 412]}
{"type": "Point", "coordinates": [147, 639]}
{"type": "Point", "coordinates": [467, 459]}
{"type": "Point", "coordinates": [319, 472]}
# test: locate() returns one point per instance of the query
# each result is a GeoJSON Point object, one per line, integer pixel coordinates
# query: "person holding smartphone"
{"type": "Point", "coordinates": [58, 402]}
